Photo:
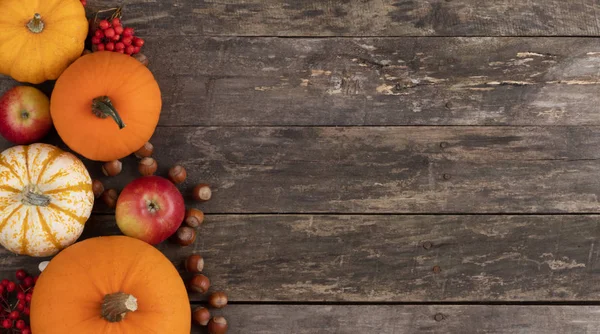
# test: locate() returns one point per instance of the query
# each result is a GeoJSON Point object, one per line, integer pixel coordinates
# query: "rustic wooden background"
{"type": "Point", "coordinates": [418, 166]}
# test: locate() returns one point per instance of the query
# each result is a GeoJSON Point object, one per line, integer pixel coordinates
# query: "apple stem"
{"type": "Point", "coordinates": [36, 25]}
{"type": "Point", "coordinates": [116, 306]}
{"type": "Point", "coordinates": [152, 206]}
{"type": "Point", "coordinates": [102, 107]}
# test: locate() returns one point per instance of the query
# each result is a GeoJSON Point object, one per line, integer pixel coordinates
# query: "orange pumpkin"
{"type": "Point", "coordinates": [106, 105]}
{"type": "Point", "coordinates": [111, 284]}
{"type": "Point", "coordinates": [39, 39]}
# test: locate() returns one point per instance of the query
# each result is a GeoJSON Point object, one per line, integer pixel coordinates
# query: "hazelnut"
{"type": "Point", "coordinates": [217, 325]}
{"type": "Point", "coordinates": [97, 188]}
{"type": "Point", "coordinates": [185, 236]}
{"type": "Point", "coordinates": [145, 151]}
{"type": "Point", "coordinates": [109, 197]}
{"type": "Point", "coordinates": [202, 192]}
{"type": "Point", "coordinates": [194, 263]}
{"type": "Point", "coordinates": [194, 217]}
{"type": "Point", "coordinates": [147, 166]}
{"type": "Point", "coordinates": [177, 174]}
{"type": "Point", "coordinates": [200, 283]}
{"type": "Point", "coordinates": [141, 58]}
{"type": "Point", "coordinates": [218, 299]}
{"type": "Point", "coordinates": [43, 265]}
{"type": "Point", "coordinates": [112, 168]}
{"type": "Point", "coordinates": [201, 316]}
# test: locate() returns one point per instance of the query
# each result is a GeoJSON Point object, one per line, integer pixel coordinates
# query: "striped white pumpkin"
{"type": "Point", "coordinates": [45, 199]}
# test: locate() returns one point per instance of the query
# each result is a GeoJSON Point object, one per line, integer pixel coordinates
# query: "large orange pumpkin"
{"type": "Point", "coordinates": [106, 105]}
{"type": "Point", "coordinates": [111, 284]}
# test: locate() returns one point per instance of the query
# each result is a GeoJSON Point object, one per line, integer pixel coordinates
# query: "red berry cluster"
{"type": "Point", "coordinates": [111, 36]}
{"type": "Point", "coordinates": [15, 301]}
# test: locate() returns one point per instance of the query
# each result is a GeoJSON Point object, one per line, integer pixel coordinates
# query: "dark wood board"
{"type": "Point", "coordinates": [375, 81]}
{"type": "Point", "coordinates": [361, 18]}
{"type": "Point", "coordinates": [383, 169]}
{"type": "Point", "coordinates": [388, 258]}
{"type": "Point", "coordinates": [399, 319]}
{"type": "Point", "coordinates": [380, 169]}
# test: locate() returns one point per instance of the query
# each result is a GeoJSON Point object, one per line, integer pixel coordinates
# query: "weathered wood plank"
{"type": "Point", "coordinates": [385, 169]}
{"type": "Point", "coordinates": [388, 258]}
{"type": "Point", "coordinates": [381, 169]}
{"type": "Point", "coordinates": [376, 81]}
{"type": "Point", "coordinates": [398, 319]}
{"type": "Point", "coordinates": [362, 18]}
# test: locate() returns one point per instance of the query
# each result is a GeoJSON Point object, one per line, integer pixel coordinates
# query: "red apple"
{"type": "Point", "coordinates": [24, 115]}
{"type": "Point", "coordinates": [150, 208]}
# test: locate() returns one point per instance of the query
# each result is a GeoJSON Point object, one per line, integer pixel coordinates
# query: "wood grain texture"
{"type": "Point", "coordinates": [361, 18]}
{"type": "Point", "coordinates": [388, 258]}
{"type": "Point", "coordinates": [383, 169]}
{"type": "Point", "coordinates": [380, 169]}
{"type": "Point", "coordinates": [375, 81]}
{"type": "Point", "coordinates": [399, 319]}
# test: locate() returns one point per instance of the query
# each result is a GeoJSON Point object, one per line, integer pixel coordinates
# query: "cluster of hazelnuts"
{"type": "Point", "coordinates": [200, 283]}
{"type": "Point", "coordinates": [185, 235]}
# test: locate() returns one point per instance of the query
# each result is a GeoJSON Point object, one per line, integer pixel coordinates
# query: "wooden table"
{"type": "Point", "coordinates": [383, 166]}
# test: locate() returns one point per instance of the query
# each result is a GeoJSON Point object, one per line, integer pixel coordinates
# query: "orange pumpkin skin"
{"type": "Point", "coordinates": [69, 293]}
{"type": "Point", "coordinates": [132, 91]}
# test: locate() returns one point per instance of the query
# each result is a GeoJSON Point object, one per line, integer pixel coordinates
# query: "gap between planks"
{"type": "Point", "coordinates": [425, 303]}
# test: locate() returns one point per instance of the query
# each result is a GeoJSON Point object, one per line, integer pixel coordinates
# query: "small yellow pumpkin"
{"type": "Point", "coordinates": [45, 199]}
{"type": "Point", "coordinates": [39, 39]}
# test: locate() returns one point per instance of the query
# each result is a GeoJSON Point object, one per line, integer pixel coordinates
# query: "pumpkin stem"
{"type": "Point", "coordinates": [102, 107]}
{"type": "Point", "coordinates": [36, 25]}
{"type": "Point", "coordinates": [116, 306]}
{"type": "Point", "coordinates": [31, 197]}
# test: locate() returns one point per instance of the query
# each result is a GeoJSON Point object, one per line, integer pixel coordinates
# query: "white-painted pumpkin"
{"type": "Point", "coordinates": [45, 199]}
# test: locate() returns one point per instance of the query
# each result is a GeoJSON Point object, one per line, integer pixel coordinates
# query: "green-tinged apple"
{"type": "Point", "coordinates": [150, 208]}
{"type": "Point", "coordinates": [24, 115]}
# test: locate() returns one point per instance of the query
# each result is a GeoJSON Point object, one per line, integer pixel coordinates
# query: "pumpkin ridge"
{"type": "Point", "coordinates": [23, 240]}
{"type": "Point", "coordinates": [81, 186]}
{"type": "Point", "coordinates": [92, 279]}
{"type": "Point", "coordinates": [75, 217]}
{"type": "Point", "coordinates": [15, 59]}
{"type": "Point", "coordinates": [10, 189]}
{"type": "Point", "coordinates": [40, 54]}
{"type": "Point", "coordinates": [53, 178]}
{"type": "Point", "coordinates": [49, 12]}
{"type": "Point", "coordinates": [55, 44]}
{"type": "Point", "coordinates": [130, 270]}
{"type": "Point", "coordinates": [26, 158]}
{"type": "Point", "coordinates": [51, 157]}
{"type": "Point", "coordinates": [15, 8]}
{"type": "Point", "coordinates": [3, 163]}
{"type": "Point", "coordinates": [47, 231]}
{"type": "Point", "coordinates": [3, 222]}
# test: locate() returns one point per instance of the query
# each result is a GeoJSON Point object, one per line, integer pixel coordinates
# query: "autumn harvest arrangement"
{"type": "Point", "coordinates": [105, 106]}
